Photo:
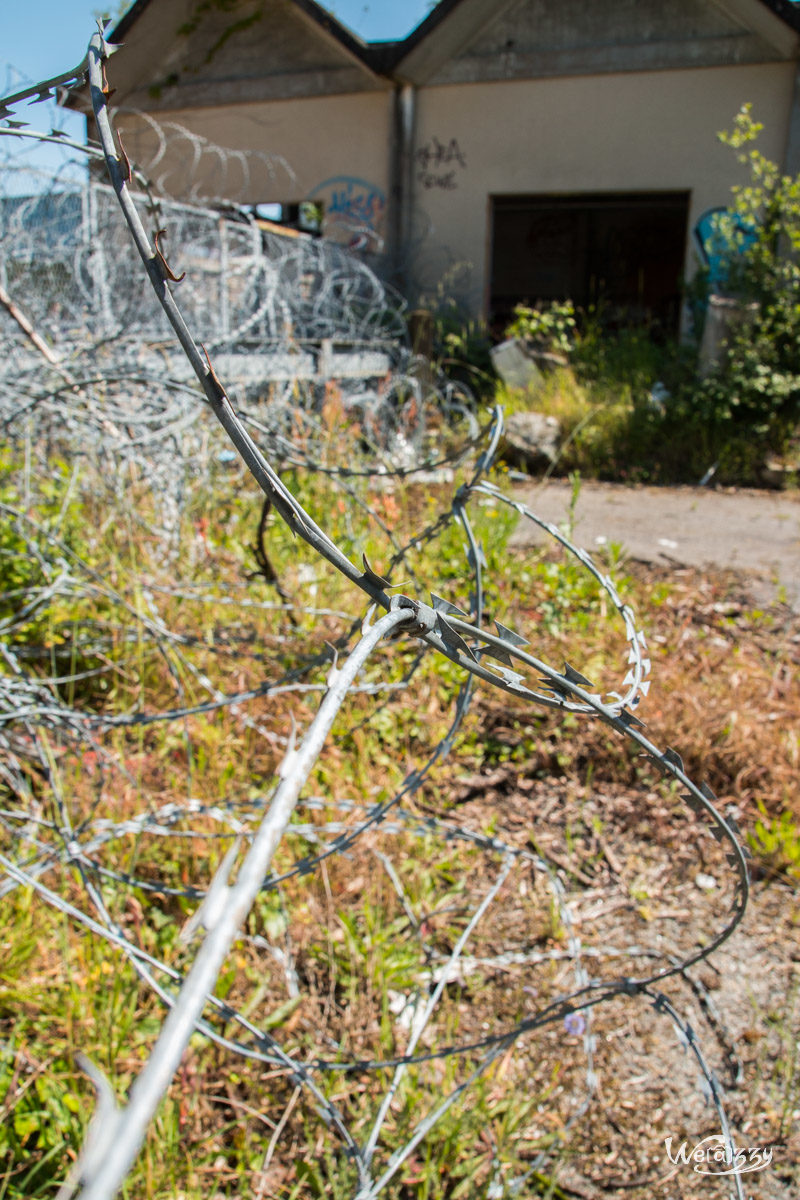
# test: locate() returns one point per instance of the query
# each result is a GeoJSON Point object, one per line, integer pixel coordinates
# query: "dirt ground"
{"type": "Point", "coordinates": [756, 532]}
{"type": "Point", "coordinates": [744, 1003]}
{"type": "Point", "coordinates": [655, 891]}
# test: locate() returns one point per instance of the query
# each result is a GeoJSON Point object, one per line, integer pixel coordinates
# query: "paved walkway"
{"type": "Point", "coordinates": [755, 532]}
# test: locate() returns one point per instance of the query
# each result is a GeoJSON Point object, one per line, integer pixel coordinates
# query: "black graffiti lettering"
{"type": "Point", "coordinates": [446, 182]}
{"type": "Point", "coordinates": [436, 154]}
{"type": "Point", "coordinates": [455, 154]}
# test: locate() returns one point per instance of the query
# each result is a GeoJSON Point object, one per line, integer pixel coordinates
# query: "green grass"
{"type": "Point", "coordinates": [615, 427]}
{"type": "Point", "coordinates": [353, 941]}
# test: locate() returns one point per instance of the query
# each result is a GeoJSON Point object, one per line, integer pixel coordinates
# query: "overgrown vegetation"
{"type": "Point", "coordinates": [153, 676]}
{"type": "Point", "coordinates": [635, 405]}
{"type": "Point", "coordinates": [549, 330]}
{"type": "Point", "coordinates": [756, 390]}
{"type": "Point", "coordinates": [360, 948]}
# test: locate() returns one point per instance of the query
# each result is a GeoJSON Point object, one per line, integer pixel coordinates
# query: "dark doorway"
{"type": "Point", "coordinates": [622, 254]}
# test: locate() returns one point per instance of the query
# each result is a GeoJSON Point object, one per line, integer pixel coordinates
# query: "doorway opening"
{"type": "Point", "coordinates": [620, 254]}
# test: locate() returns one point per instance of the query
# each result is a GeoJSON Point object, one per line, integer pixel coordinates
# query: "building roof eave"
{"type": "Point", "coordinates": [441, 35]}
{"type": "Point", "coordinates": [786, 10]}
{"type": "Point", "coordinates": [360, 49]}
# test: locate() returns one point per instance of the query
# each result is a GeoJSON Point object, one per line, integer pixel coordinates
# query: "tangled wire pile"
{"type": "Point", "coordinates": [115, 372]}
{"type": "Point", "coordinates": [89, 359]}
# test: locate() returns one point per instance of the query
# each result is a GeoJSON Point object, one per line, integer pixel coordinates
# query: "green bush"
{"type": "Point", "coordinates": [617, 424]}
{"type": "Point", "coordinates": [461, 346]}
{"type": "Point", "coordinates": [33, 509]}
{"type": "Point", "coordinates": [754, 393]}
{"type": "Point", "coordinates": [551, 329]}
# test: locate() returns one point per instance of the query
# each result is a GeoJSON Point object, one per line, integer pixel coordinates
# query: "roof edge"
{"type": "Point", "coordinates": [382, 58]}
{"type": "Point", "coordinates": [126, 21]}
{"type": "Point", "coordinates": [363, 51]}
{"type": "Point", "coordinates": [786, 10]}
{"type": "Point", "coordinates": [379, 57]}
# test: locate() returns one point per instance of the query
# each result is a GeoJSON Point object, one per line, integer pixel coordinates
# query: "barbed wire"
{"type": "Point", "coordinates": [296, 321]}
{"type": "Point", "coordinates": [105, 365]}
{"type": "Point", "coordinates": [178, 161]}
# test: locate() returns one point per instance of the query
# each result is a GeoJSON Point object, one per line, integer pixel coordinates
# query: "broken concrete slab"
{"type": "Point", "coordinates": [530, 441]}
{"type": "Point", "coordinates": [515, 366]}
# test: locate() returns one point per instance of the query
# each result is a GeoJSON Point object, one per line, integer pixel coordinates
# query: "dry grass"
{"type": "Point", "coordinates": [725, 695]}
{"type": "Point", "coordinates": [725, 692]}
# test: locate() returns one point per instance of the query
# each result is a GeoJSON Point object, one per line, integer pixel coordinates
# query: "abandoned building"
{"type": "Point", "coordinates": [532, 149]}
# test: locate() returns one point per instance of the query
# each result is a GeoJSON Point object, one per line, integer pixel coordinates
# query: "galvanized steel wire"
{"type": "Point", "coordinates": [117, 380]}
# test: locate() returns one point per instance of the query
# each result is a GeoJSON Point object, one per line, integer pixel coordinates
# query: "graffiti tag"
{"type": "Point", "coordinates": [438, 162]}
{"type": "Point", "coordinates": [345, 196]}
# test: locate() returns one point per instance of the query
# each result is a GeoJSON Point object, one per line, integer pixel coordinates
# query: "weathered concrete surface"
{"type": "Point", "coordinates": [530, 440]}
{"type": "Point", "coordinates": [757, 533]}
{"type": "Point", "coordinates": [514, 365]}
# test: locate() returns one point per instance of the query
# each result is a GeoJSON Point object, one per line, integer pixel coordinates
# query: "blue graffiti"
{"type": "Point", "coordinates": [718, 235]}
{"type": "Point", "coordinates": [356, 199]}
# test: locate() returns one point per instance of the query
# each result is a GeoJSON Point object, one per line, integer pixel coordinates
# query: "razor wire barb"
{"type": "Point", "coordinates": [497, 658]}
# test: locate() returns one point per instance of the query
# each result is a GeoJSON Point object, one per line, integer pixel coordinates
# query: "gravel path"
{"type": "Point", "coordinates": [757, 533]}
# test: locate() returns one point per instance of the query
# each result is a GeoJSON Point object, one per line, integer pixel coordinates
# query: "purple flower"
{"type": "Point", "coordinates": [574, 1023]}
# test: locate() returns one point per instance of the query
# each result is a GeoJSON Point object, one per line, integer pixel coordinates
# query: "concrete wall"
{"type": "Point", "coordinates": [636, 132]}
{"type": "Point", "coordinates": [633, 132]}
{"type": "Point", "coordinates": [335, 148]}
